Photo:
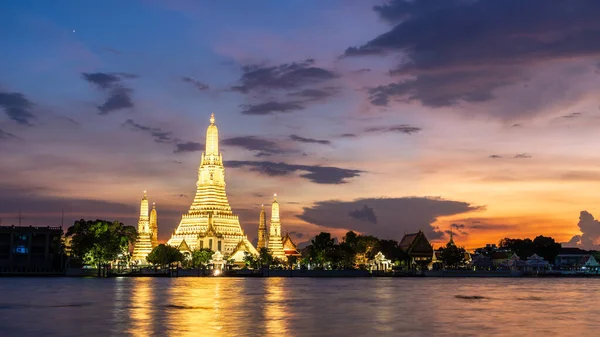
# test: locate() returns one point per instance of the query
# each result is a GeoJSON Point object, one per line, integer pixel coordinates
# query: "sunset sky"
{"type": "Point", "coordinates": [366, 115]}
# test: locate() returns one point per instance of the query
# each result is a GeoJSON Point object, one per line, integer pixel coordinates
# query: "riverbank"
{"type": "Point", "coordinates": [76, 272]}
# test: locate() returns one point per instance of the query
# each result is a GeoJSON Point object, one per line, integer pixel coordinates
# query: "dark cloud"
{"type": "Point", "coordinates": [395, 216]}
{"type": "Point", "coordinates": [314, 94]}
{"type": "Point", "coordinates": [458, 50]}
{"type": "Point", "coordinates": [297, 138]}
{"type": "Point", "coordinates": [516, 156]}
{"type": "Point", "coordinates": [252, 143]}
{"type": "Point", "coordinates": [188, 147]}
{"type": "Point", "coordinates": [41, 208]}
{"type": "Point", "coordinates": [297, 235]}
{"type": "Point", "coordinates": [6, 135]}
{"type": "Point", "coordinates": [348, 135]}
{"type": "Point", "coordinates": [159, 135]}
{"type": "Point", "coordinates": [271, 107]}
{"type": "Point", "coordinates": [102, 80]}
{"type": "Point", "coordinates": [281, 77]}
{"type": "Point", "coordinates": [197, 84]}
{"type": "Point", "coordinates": [119, 96]}
{"type": "Point", "coordinates": [572, 115]}
{"type": "Point", "coordinates": [366, 213]}
{"type": "Point", "coordinates": [590, 232]}
{"type": "Point", "coordinates": [17, 107]}
{"type": "Point", "coordinates": [316, 174]}
{"type": "Point", "coordinates": [406, 129]}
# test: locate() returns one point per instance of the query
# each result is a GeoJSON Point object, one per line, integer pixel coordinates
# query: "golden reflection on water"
{"type": "Point", "coordinates": [141, 308]}
{"type": "Point", "coordinates": [275, 313]}
{"type": "Point", "coordinates": [217, 307]}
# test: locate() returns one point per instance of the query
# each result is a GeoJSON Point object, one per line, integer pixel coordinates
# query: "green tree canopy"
{"type": "Point", "coordinates": [99, 241]}
{"type": "Point", "coordinates": [264, 257]}
{"type": "Point", "coordinates": [163, 255]}
{"type": "Point", "coordinates": [201, 257]}
{"type": "Point", "coordinates": [452, 256]}
{"type": "Point", "coordinates": [543, 246]}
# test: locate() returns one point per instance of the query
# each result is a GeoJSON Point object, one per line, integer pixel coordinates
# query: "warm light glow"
{"type": "Point", "coordinates": [217, 272]}
{"type": "Point", "coordinates": [210, 200]}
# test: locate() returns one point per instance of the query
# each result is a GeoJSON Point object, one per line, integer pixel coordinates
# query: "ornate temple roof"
{"type": "Point", "coordinates": [416, 245]}
{"type": "Point", "coordinates": [245, 246]}
{"type": "Point", "coordinates": [289, 247]}
{"type": "Point", "coordinates": [183, 246]}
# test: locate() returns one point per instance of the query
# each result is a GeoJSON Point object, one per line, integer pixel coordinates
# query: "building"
{"type": "Point", "coordinates": [417, 248]}
{"type": "Point", "coordinates": [147, 232]}
{"type": "Point", "coordinates": [210, 216]}
{"type": "Point", "coordinates": [275, 242]}
{"type": "Point", "coordinates": [289, 247]}
{"type": "Point", "coordinates": [262, 229]}
{"type": "Point", "coordinates": [30, 249]}
{"type": "Point", "coordinates": [571, 258]}
{"type": "Point", "coordinates": [279, 247]}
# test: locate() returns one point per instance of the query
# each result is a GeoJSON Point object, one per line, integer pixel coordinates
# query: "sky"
{"type": "Point", "coordinates": [383, 117]}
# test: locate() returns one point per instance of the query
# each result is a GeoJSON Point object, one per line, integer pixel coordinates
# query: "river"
{"type": "Point", "coordinates": [299, 307]}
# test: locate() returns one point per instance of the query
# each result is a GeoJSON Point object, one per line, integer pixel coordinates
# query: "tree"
{"type": "Point", "coordinates": [452, 256]}
{"type": "Point", "coordinates": [99, 242]}
{"type": "Point", "coordinates": [163, 255]}
{"type": "Point", "coordinates": [522, 247]}
{"type": "Point", "coordinates": [201, 257]}
{"type": "Point", "coordinates": [546, 247]}
{"type": "Point", "coordinates": [251, 261]}
{"type": "Point", "coordinates": [543, 246]}
{"type": "Point", "coordinates": [291, 261]}
{"type": "Point", "coordinates": [265, 258]}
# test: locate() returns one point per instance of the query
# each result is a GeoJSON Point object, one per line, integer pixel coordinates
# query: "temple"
{"type": "Point", "coordinates": [262, 229]}
{"type": "Point", "coordinates": [281, 248]}
{"type": "Point", "coordinates": [210, 223]}
{"type": "Point", "coordinates": [275, 243]}
{"type": "Point", "coordinates": [418, 249]}
{"type": "Point", "coordinates": [289, 247]}
{"type": "Point", "coordinates": [147, 232]}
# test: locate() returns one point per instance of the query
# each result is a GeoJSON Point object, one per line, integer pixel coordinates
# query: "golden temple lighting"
{"type": "Point", "coordinates": [224, 234]}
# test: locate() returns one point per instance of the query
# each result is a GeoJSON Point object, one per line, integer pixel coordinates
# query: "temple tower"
{"type": "Point", "coordinates": [210, 200]}
{"type": "Point", "coordinates": [275, 242]}
{"type": "Point", "coordinates": [262, 230]}
{"type": "Point", "coordinates": [154, 226]}
{"type": "Point", "coordinates": [143, 243]}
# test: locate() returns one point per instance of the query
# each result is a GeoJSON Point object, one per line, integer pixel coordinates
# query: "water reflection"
{"type": "Point", "coordinates": [298, 307]}
{"type": "Point", "coordinates": [274, 305]}
{"type": "Point", "coordinates": [140, 310]}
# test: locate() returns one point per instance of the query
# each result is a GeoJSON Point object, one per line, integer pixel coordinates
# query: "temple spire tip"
{"type": "Point", "coordinates": [212, 118]}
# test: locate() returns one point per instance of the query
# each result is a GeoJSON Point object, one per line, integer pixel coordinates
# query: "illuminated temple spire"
{"type": "Point", "coordinates": [143, 243]}
{"type": "Point", "coordinates": [275, 242]}
{"type": "Point", "coordinates": [262, 229]}
{"type": "Point", "coordinates": [154, 225]}
{"type": "Point", "coordinates": [210, 211]}
{"type": "Point", "coordinates": [212, 138]}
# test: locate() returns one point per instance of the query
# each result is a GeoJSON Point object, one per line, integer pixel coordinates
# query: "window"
{"type": "Point", "coordinates": [201, 244]}
{"type": "Point", "coordinates": [21, 250]}
{"type": "Point", "coordinates": [210, 244]}
{"type": "Point", "coordinates": [219, 245]}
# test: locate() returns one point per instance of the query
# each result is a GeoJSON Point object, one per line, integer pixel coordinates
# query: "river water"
{"type": "Point", "coordinates": [299, 307]}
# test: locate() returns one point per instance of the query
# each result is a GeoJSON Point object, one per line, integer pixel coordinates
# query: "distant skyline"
{"type": "Point", "coordinates": [373, 116]}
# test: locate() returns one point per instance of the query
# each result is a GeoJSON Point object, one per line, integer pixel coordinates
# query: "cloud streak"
{"type": "Point", "coordinates": [17, 107]}
{"type": "Point", "coordinates": [315, 174]}
{"type": "Point", "coordinates": [119, 96]}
